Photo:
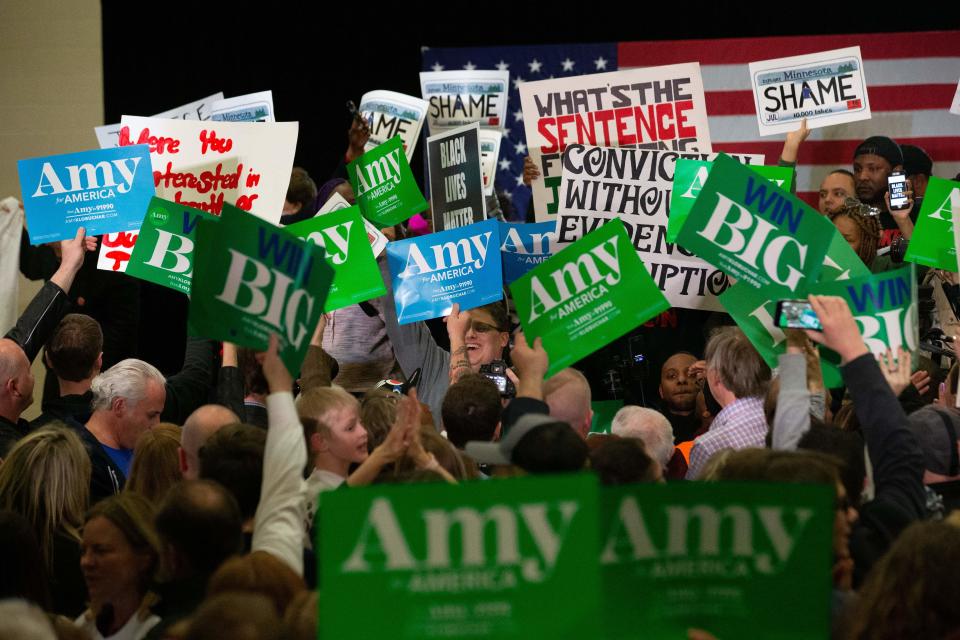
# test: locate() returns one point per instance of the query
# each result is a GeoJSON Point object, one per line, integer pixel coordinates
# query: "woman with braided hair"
{"type": "Point", "coordinates": [862, 233]}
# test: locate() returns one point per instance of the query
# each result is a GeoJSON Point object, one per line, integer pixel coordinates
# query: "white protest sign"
{"type": "Point", "coordinates": [600, 184]}
{"type": "Point", "coordinates": [490, 140]}
{"type": "Point", "coordinates": [390, 114]}
{"type": "Point", "coordinates": [458, 98]}
{"type": "Point", "coordinates": [336, 202]}
{"type": "Point", "coordinates": [115, 249]}
{"type": "Point", "coordinates": [204, 164]}
{"type": "Point", "coordinates": [825, 88]}
{"type": "Point", "coordinates": [252, 107]}
{"type": "Point", "coordinates": [108, 134]}
{"type": "Point", "coordinates": [955, 108]}
{"type": "Point", "coordinates": [650, 108]}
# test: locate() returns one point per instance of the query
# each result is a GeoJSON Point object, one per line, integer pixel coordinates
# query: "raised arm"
{"type": "Point", "coordinates": [894, 451]}
{"type": "Point", "coordinates": [318, 365]}
{"type": "Point", "coordinates": [41, 317]}
{"type": "Point", "coordinates": [415, 349]}
{"type": "Point", "coordinates": [279, 521]}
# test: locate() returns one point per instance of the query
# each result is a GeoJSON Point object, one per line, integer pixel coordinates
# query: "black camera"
{"type": "Point", "coordinates": [898, 249]}
{"type": "Point", "coordinates": [497, 371]}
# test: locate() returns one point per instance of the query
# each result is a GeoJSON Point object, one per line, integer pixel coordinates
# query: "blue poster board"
{"type": "Point", "coordinates": [431, 272]}
{"type": "Point", "coordinates": [103, 190]}
{"type": "Point", "coordinates": [524, 246]}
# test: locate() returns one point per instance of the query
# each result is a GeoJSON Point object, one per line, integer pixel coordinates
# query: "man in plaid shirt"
{"type": "Point", "coordinates": [738, 379]}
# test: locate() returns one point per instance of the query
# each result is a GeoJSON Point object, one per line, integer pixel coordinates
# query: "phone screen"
{"type": "Point", "coordinates": [797, 314]}
{"type": "Point", "coordinates": [897, 183]}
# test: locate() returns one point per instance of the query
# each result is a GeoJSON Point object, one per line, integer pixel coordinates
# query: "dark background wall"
{"type": "Point", "coordinates": [315, 59]}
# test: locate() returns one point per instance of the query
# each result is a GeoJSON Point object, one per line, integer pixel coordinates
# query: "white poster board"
{"type": "Point", "coordinates": [825, 88]}
{"type": "Point", "coordinates": [458, 98]}
{"type": "Point", "coordinates": [650, 108]}
{"type": "Point", "coordinates": [600, 184]}
{"type": "Point", "coordinates": [108, 134]}
{"type": "Point", "coordinates": [252, 107]}
{"type": "Point", "coordinates": [204, 164]}
{"type": "Point", "coordinates": [390, 114]}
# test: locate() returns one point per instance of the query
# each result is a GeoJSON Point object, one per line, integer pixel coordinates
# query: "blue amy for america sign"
{"type": "Point", "coordinates": [104, 190]}
{"type": "Point", "coordinates": [432, 272]}
{"type": "Point", "coordinates": [524, 246]}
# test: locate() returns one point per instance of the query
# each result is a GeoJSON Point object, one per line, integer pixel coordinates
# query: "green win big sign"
{"type": "Point", "coordinates": [755, 232]}
{"type": "Point", "coordinates": [252, 279]}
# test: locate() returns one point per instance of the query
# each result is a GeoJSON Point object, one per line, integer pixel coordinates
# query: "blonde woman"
{"type": "Point", "coordinates": [156, 463]}
{"type": "Point", "coordinates": [46, 479]}
{"type": "Point", "coordinates": [120, 557]}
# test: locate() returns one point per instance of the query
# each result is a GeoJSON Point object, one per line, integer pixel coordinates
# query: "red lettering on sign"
{"type": "Point", "coordinates": [211, 141]}
{"type": "Point", "coordinates": [118, 257]}
{"type": "Point", "coordinates": [121, 239]}
{"type": "Point", "coordinates": [684, 129]}
{"type": "Point", "coordinates": [623, 138]}
{"type": "Point", "coordinates": [158, 145]}
{"type": "Point", "coordinates": [246, 202]}
{"type": "Point", "coordinates": [543, 128]}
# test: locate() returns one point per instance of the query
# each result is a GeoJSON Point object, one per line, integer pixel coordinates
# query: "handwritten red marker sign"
{"type": "Point", "coordinates": [115, 249]}
{"type": "Point", "coordinates": [205, 164]}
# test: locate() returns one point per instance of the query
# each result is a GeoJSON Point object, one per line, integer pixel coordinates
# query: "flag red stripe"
{"type": "Point", "coordinates": [812, 198]}
{"type": "Point", "coordinates": [873, 46]}
{"type": "Point", "coordinates": [886, 98]}
{"type": "Point", "coordinates": [840, 152]}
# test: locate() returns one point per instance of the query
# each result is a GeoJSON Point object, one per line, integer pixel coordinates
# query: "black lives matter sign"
{"type": "Point", "coordinates": [456, 178]}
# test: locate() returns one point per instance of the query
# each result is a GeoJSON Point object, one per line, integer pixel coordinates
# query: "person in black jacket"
{"type": "Point", "coordinates": [75, 355]}
{"type": "Point", "coordinates": [895, 454]}
{"type": "Point", "coordinates": [128, 399]}
{"type": "Point", "coordinates": [23, 342]}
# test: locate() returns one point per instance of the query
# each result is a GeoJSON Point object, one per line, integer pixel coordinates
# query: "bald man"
{"type": "Point", "coordinates": [16, 394]}
{"type": "Point", "coordinates": [34, 327]}
{"type": "Point", "coordinates": [678, 394]}
{"type": "Point", "coordinates": [568, 395]}
{"type": "Point", "coordinates": [199, 426]}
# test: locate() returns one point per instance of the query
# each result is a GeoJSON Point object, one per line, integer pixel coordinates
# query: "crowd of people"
{"type": "Point", "coordinates": [144, 505]}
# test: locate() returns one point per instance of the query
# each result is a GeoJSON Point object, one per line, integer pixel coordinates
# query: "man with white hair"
{"type": "Point", "coordinates": [654, 430]}
{"type": "Point", "coordinates": [128, 399]}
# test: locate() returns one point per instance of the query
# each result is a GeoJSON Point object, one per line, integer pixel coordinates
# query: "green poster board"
{"type": "Point", "coordinates": [356, 277]}
{"type": "Point", "coordinates": [586, 296]}
{"type": "Point", "coordinates": [384, 184]}
{"type": "Point", "coordinates": [932, 243]}
{"type": "Point", "coordinates": [252, 279]}
{"type": "Point", "coordinates": [841, 262]}
{"type": "Point", "coordinates": [885, 307]}
{"type": "Point", "coordinates": [755, 232]}
{"type": "Point", "coordinates": [736, 560]}
{"type": "Point", "coordinates": [498, 559]}
{"type": "Point", "coordinates": [603, 412]}
{"type": "Point", "coordinates": [163, 253]}
{"type": "Point", "coordinates": [754, 311]}
{"type": "Point", "coordinates": [689, 177]}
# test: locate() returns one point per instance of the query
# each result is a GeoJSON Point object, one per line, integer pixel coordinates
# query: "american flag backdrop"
{"type": "Point", "coordinates": [911, 80]}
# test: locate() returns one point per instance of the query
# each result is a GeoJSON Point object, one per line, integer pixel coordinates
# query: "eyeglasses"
{"type": "Point", "coordinates": [483, 327]}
